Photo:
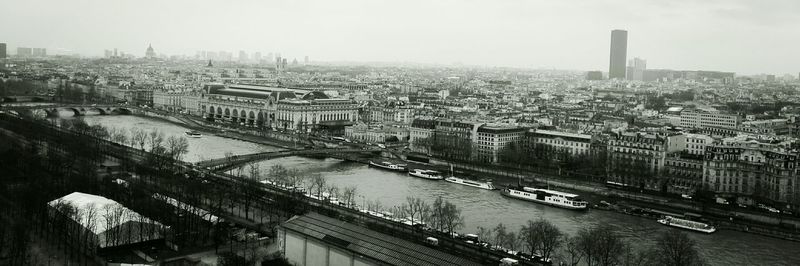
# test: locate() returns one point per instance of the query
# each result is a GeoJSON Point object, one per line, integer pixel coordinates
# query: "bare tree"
{"type": "Point", "coordinates": [348, 195]}
{"type": "Point", "coordinates": [600, 245]}
{"type": "Point", "coordinates": [138, 138]}
{"type": "Point", "coordinates": [511, 241]}
{"type": "Point", "coordinates": [416, 209]}
{"type": "Point", "coordinates": [90, 214]}
{"type": "Point", "coordinates": [484, 235]}
{"type": "Point", "coordinates": [254, 170]}
{"type": "Point", "coordinates": [332, 191]}
{"type": "Point", "coordinates": [436, 220]}
{"type": "Point", "coordinates": [317, 184]}
{"type": "Point", "coordinates": [155, 138]}
{"type": "Point", "coordinates": [451, 217]}
{"type": "Point", "coordinates": [374, 205]}
{"type": "Point", "coordinates": [541, 236]}
{"type": "Point", "coordinates": [676, 248]}
{"type": "Point", "coordinates": [118, 136]}
{"type": "Point", "coordinates": [500, 233]}
{"type": "Point", "coordinates": [641, 257]}
{"type": "Point", "coordinates": [572, 249]}
{"type": "Point", "coordinates": [177, 147]}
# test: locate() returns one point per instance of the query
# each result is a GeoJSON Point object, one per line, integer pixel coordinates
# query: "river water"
{"type": "Point", "coordinates": [207, 147]}
{"type": "Point", "coordinates": [479, 207]}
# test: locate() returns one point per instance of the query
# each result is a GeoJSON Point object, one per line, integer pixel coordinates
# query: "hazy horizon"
{"type": "Point", "coordinates": [746, 37]}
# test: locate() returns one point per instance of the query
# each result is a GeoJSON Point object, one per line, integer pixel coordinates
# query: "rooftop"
{"type": "Point", "coordinates": [562, 134]}
{"type": "Point", "coordinates": [368, 243]}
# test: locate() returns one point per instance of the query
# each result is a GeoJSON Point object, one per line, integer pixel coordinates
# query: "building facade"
{"type": "Point", "coordinates": [565, 142]}
{"type": "Point", "coordinates": [492, 140]}
{"type": "Point", "coordinates": [696, 143]}
{"type": "Point", "coordinates": [619, 50]}
{"type": "Point", "coordinates": [771, 127]}
{"type": "Point", "coordinates": [683, 173]}
{"type": "Point", "coordinates": [374, 133]}
{"type": "Point", "coordinates": [178, 101]}
{"type": "Point", "coordinates": [752, 170]}
{"type": "Point", "coordinates": [306, 115]}
{"type": "Point", "coordinates": [637, 160]}
{"type": "Point", "coordinates": [706, 119]}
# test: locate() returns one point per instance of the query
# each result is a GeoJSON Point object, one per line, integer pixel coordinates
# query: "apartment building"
{"type": "Point", "coordinates": [752, 169]}
{"type": "Point", "coordinates": [709, 119]}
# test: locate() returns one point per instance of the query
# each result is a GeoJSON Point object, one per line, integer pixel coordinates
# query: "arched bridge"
{"type": "Point", "coordinates": [224, 164]}
{"type": "Point", "coordinates": [76, 109]}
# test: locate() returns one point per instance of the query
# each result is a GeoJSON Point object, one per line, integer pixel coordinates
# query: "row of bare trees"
{"type": "Point", "coordinates": [442, 215]}
{"type": "Point", "coordinates": [599, 245]}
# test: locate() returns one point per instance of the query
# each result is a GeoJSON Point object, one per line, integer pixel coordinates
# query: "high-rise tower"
{"type": "Point", "coordinates": [619, 50]}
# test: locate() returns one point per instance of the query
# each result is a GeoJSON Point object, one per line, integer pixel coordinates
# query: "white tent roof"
{"type": "Point", "coordinates": [102, 207]}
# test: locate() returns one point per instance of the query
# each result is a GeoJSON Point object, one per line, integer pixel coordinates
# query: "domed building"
{"type": "Point", "coordinates": [150, 54]}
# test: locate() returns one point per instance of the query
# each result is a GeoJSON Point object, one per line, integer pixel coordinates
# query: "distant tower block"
{"type": "Point", "coordinates": [619, 50]}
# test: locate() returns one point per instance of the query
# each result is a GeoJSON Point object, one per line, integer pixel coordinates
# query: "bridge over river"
{"type": "Point", "coordinates": [224, 164]}
{"type": "Point", "coordinates": [53, 109]}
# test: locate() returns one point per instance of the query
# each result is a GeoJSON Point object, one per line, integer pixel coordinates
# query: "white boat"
{"type": "Point", "coordinates": [687, 224]}
{"type": "Point", "coordinates": [427, 174]}
{"type": "Point", "coordinates": [471, 183]}
{"type": "Point", "coordinates": [548, 197]}
{"type": "Point", "coordinates": [193, 134]}
{"type": "Point", "coordinates": [389, 166]}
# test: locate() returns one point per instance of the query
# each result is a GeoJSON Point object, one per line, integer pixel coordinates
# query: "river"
{"type": "Point", "coordinates": [207, 147]}
{"type": "Point", "coordinates": [480, 207]}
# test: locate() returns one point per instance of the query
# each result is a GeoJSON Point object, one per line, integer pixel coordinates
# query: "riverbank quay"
{"type": "Point", "coordinates": [639, 204]}
{"type": "Point", "coordinates": [729, 218]}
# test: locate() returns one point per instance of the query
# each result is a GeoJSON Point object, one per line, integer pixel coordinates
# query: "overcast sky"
{"type": "Point", "coordinates": [744, 36]}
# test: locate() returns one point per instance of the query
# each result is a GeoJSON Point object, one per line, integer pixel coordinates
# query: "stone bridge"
{"type": "Point", "coordinates": [224, 164]}
{"type": "Point", "coordinates": [76, 109]}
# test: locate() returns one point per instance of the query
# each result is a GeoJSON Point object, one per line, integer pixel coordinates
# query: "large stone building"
{"type": "Point", "coordinates": [178, 101]}
{"type": "Point", "coordinates": [491, 140]}
{"type": "Point", "coordinates": [391, 112]}
{"type": "Point", "coordinates": [316, 112]}
{"type": "Point", "coordinates": [709, 119]}
{"type": "Point", "coordinates": [751, 169]}
{"type": "Point", "coordinates": [420, 132]}
{"type": "Point", "coordinates": [637, 159]}
{"type": "Point", "coordinates": [568, 143]}
{"type": "Point", "coordinates": [444, 138]}
{"type": "Point", "coordinates": [696, 143]}
{"type": "Point", "coordinates": [683, 173]}
{"type": "Point", "coordinates": [277, 108]}
{"type": "Point", "coordinates": [770, 127]}
{"type": "Point", "coordinates": [376, 133]}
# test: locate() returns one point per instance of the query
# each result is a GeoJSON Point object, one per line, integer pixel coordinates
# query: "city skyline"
{"type": "Point", "coordinates": [712, 35]}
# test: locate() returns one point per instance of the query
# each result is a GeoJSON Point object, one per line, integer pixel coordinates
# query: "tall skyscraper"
{"type": "Point", "coordinates": [242, 56]}
{"type": "Point", "coordinates": [619, 50]}
{"type": "Point", "coordinates": [636, 68]}
{"type": "Point", "coordinates": [305, 61]}
{"type": "Point", "coordinates": [3, 53]}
